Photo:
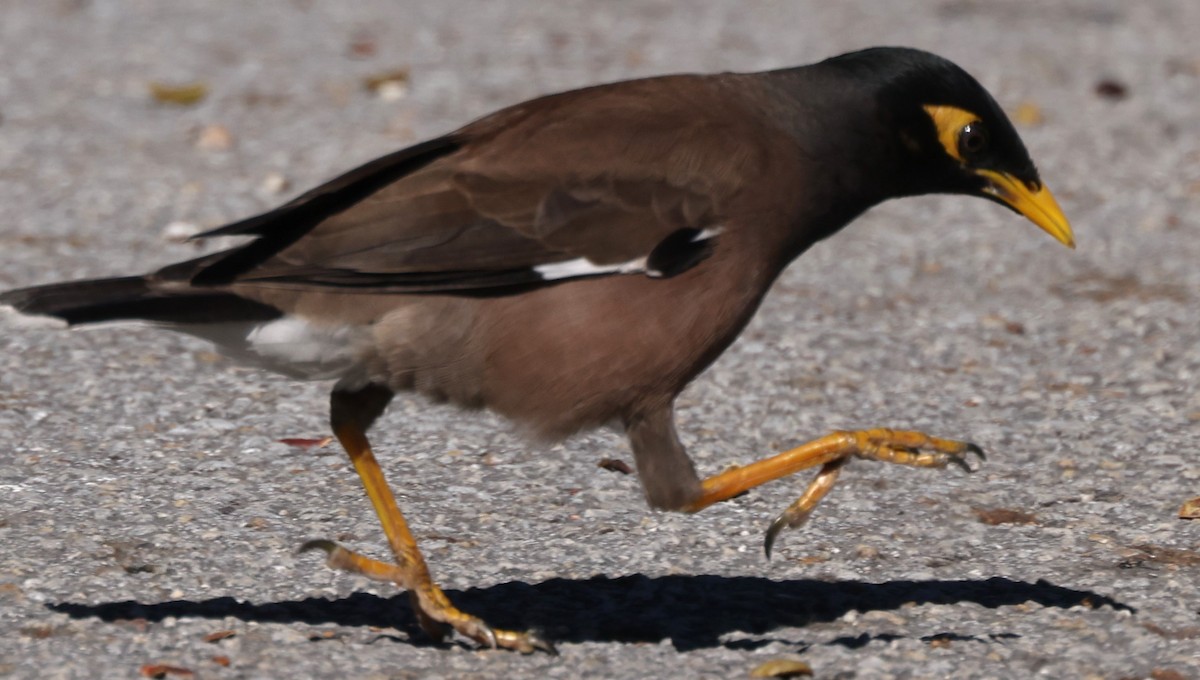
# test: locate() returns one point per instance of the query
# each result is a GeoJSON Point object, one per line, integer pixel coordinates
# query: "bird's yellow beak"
{"type": "Point", "coordinates": [1035, 203]}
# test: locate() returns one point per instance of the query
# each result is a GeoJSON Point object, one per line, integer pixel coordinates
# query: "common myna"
{"type": "Point", "coordinates": [576, 260]}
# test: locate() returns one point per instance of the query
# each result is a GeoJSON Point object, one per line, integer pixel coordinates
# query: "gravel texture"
{"type": "Point", "coordinates": [145, 502]}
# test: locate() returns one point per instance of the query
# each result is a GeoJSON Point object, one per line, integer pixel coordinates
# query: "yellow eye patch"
{"type": "Point", "coordinates": [949, 121]}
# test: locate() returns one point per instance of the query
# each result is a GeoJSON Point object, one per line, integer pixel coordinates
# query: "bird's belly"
{"type": "Point", "coordinates": [292, 346]}
{"type": "Point", "coordinates": [586, 353]}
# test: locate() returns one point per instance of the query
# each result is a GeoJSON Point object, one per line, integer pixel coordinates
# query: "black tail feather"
{"type": "Point", "coordinates": [133, 298]}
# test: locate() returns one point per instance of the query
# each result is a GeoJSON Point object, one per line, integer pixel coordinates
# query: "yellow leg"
{"type": "Point", "coordinates": [352, 413]}
{"type": "Point", "coordinates": [831, 452]}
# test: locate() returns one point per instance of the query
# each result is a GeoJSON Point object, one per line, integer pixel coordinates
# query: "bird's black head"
{"type": "Point", "coordinates": [950, 134]}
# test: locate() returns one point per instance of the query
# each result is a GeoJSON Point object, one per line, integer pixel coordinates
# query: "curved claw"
{"type": "Point", "coordinates": [960, 459]}
{"type": "Point", "coordinates": [773, 531]}
{"type": "Point", "coordinates": [539, 642]}
{"type": "Point", "coordinates": [488, 636]}
{"type": "Point", "coordinates": [791, 518]}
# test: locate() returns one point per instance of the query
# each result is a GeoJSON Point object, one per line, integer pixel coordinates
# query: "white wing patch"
{"type": "Point", "coordinates": [581, 266]}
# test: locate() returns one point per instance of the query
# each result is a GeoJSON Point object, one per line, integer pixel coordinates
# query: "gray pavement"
{"type": "Point", "coordinates": [145, 502]}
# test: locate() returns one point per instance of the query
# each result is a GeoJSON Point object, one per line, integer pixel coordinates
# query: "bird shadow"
{"type": "Point", "coordinates": [692, 611]}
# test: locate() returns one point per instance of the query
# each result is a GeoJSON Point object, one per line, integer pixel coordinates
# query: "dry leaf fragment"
{"type": "Point", "coordinates": [1165, 555]}
{"type": "Point", "coordinates": [219, 635]}
{"type": "Point", "coordinates": [782, 668]}
{"type": "Point", "coordinates": [1109, 88]}
{"type": "Point", "coordinates": [221, 660]}
{"type": "Point", "coordinates": [1186, 633]}
{"type": "Point", "coordinates": [866, 552]}
{"type": "Point", "coordinates": [1190, 509]}
{"type": "Point", "coordinates": [320, 635]}
{"type": "Point", "coordinates": [39, 631]}
{"type": "Point", "coordinates": [306, 443]}
{"type": "Point", "coordinates": [362, 46]}
{"type": "Point", "coordinates": [178, 95]}
{"type": "Point", "coordinates": [162, 670]}
{"type": "Point", "coordinates": [996, 516]}
{"type": "Point", "coordinates": [615, 465]}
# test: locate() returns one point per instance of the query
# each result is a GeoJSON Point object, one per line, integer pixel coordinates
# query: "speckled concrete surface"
{"type": "Point", "coordinates": [145, 502]}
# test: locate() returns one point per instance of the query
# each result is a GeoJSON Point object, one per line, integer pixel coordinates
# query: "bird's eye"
{"type": "Point", "coordinates": [972, 139]}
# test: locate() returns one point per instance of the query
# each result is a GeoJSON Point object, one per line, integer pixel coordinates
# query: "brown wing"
{"type": "Point", "coordinates": [617, 179]}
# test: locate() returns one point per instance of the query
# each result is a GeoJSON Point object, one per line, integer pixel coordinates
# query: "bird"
{"type": "Point", "coordinates": [575, 261]}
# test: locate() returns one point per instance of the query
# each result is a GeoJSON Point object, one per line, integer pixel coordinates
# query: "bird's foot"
{"type": "Point", "coordinates": [915, 449]}
{"type": "Point", "coordinates": [435, 614]}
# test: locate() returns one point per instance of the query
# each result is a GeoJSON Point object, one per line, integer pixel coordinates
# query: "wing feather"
{"type": "Point", "coordinates": [601, 177]}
